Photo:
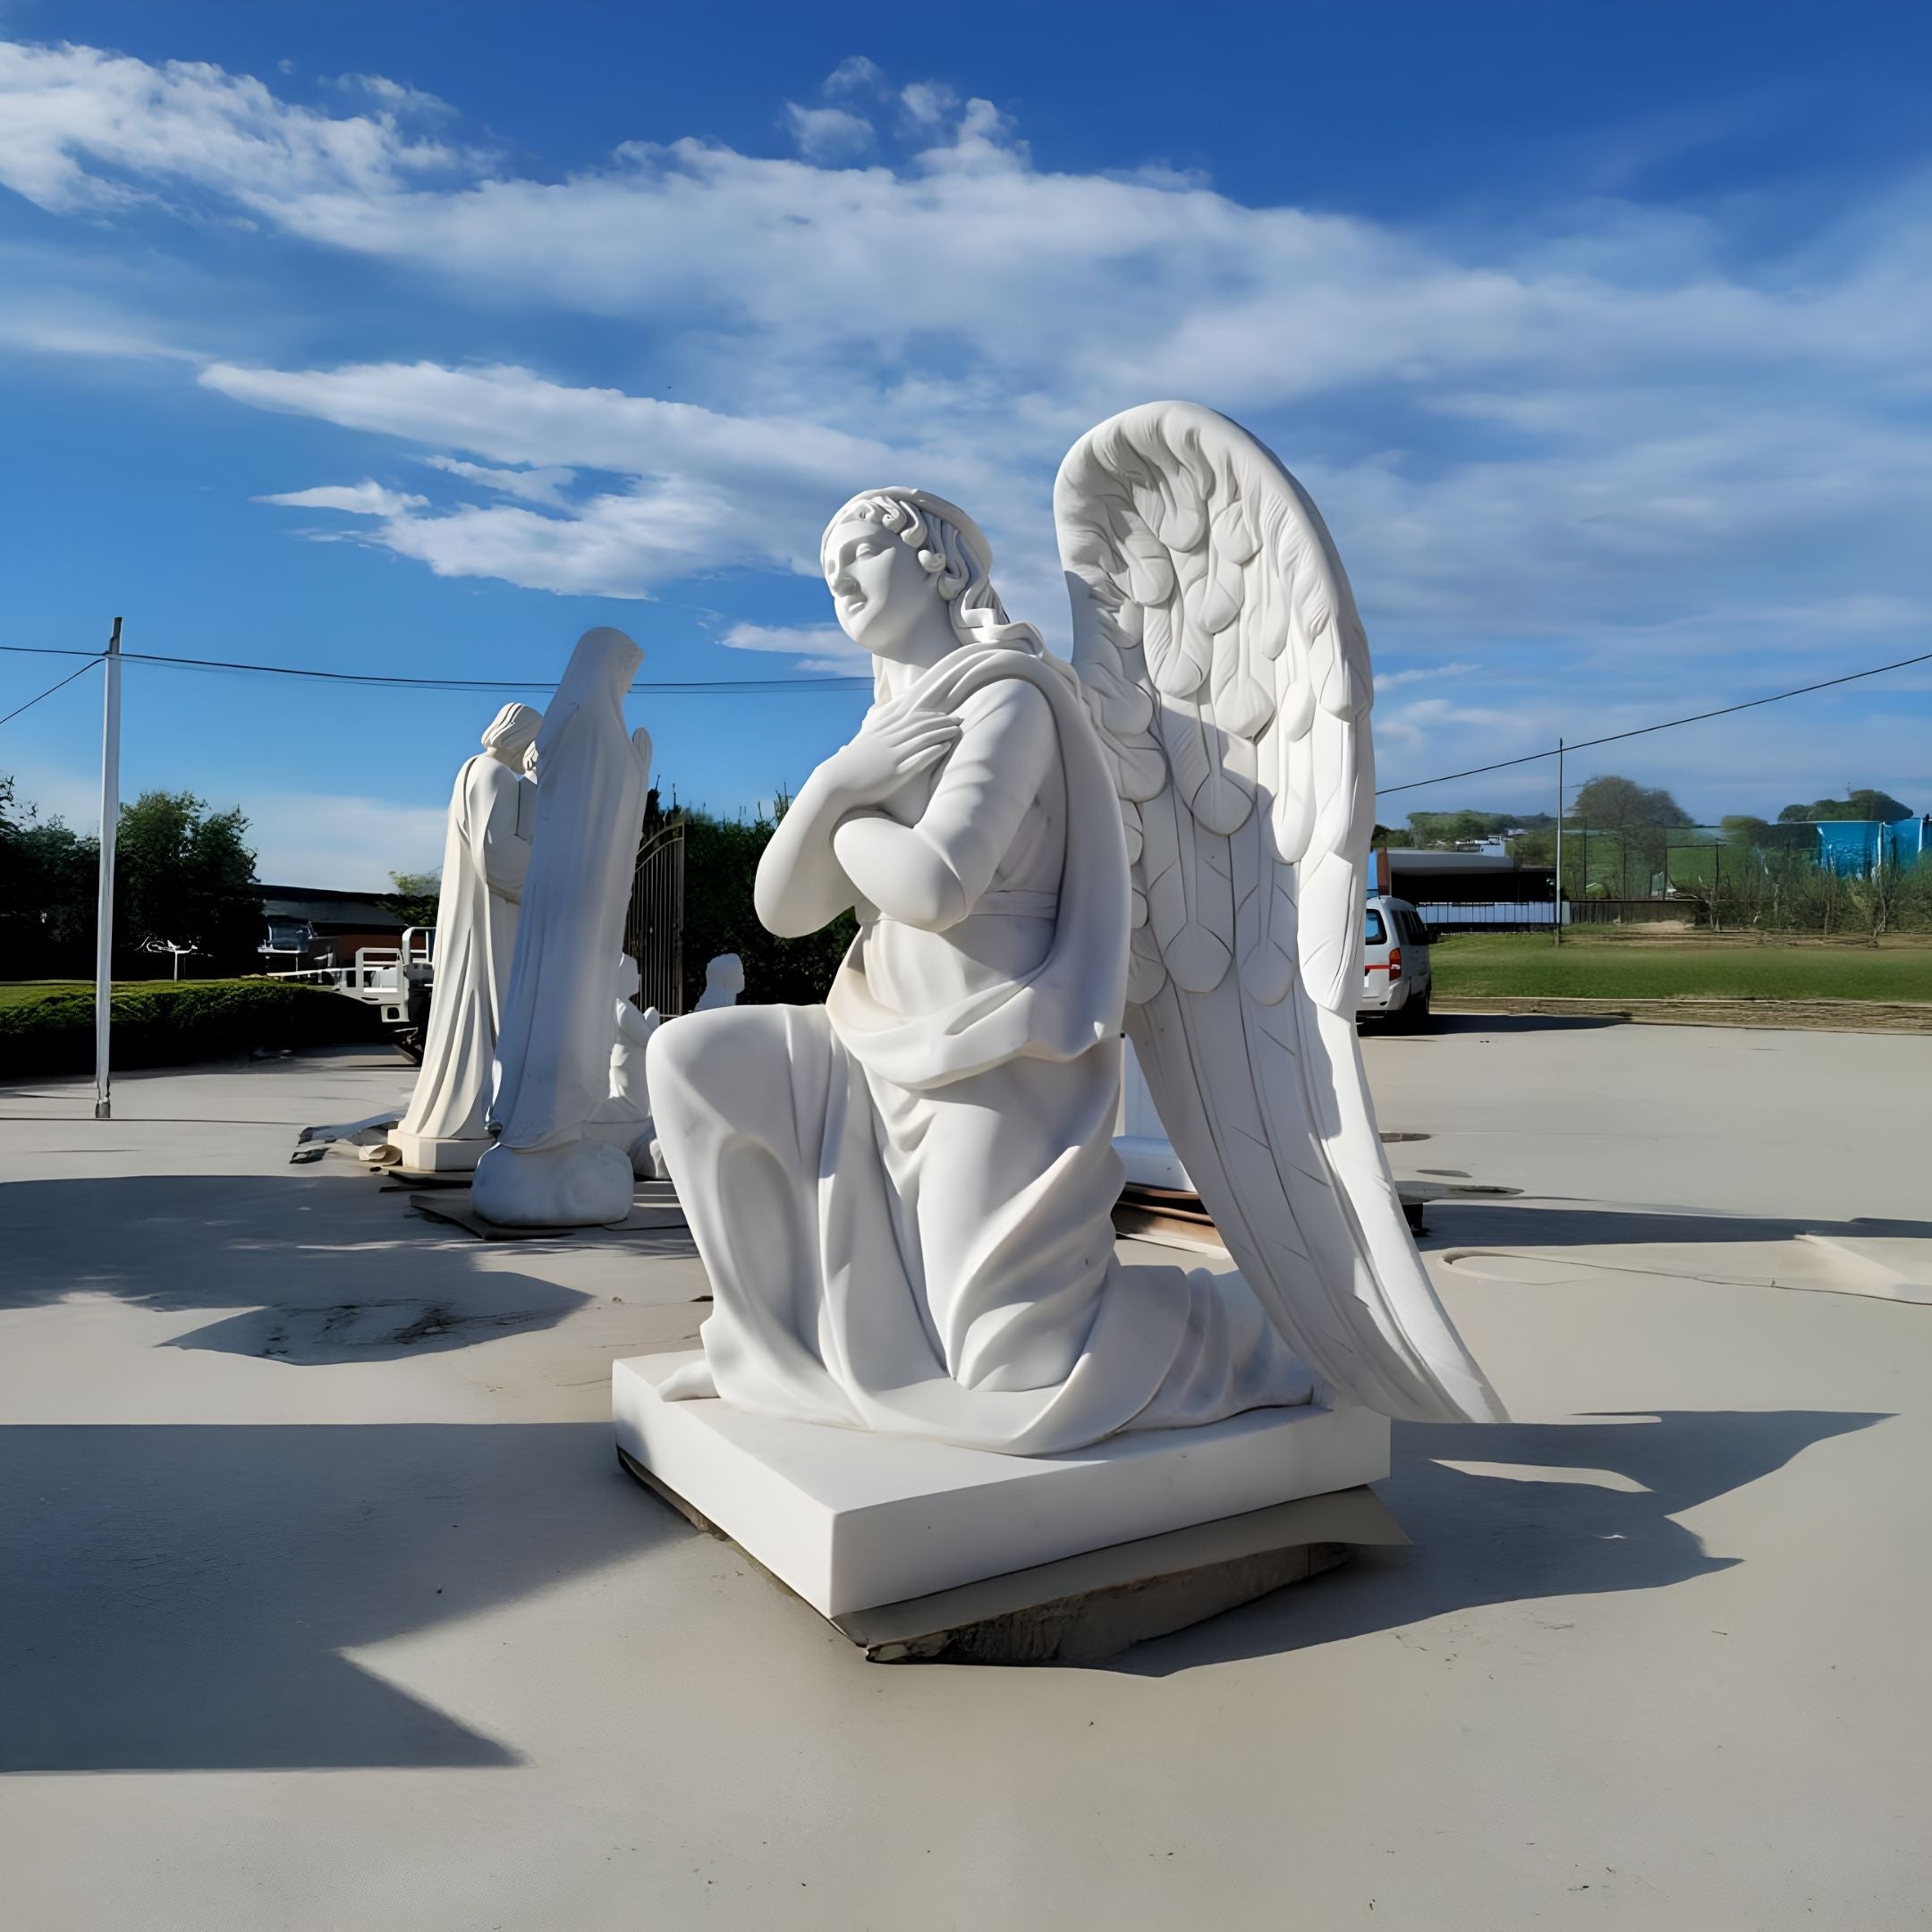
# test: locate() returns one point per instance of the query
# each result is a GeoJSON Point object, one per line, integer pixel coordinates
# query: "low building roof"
{"type": "Point", "coordinates": [322, 905]}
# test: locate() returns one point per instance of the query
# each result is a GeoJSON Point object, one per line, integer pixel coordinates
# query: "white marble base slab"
{"type": "Point", "coordinates": [424, 1154]}
{"type": "Point", "coordinates": [851, 1520]}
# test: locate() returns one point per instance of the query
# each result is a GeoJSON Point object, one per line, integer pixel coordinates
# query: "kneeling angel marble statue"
{"type": "Point", "coordinates": [903, 1197]}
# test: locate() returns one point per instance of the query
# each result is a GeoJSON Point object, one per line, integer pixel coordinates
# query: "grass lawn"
{"type": "Point", "coordinates": [1527, 965]}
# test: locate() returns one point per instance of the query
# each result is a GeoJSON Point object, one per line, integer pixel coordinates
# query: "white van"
{"type": "Point", "coordinates": [1396, 983]}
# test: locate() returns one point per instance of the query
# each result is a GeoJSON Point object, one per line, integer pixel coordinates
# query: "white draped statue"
{"type": "Point", "coordinates": [485, 857]}
{"type": "Point", "coordinates": [724, 983]}
{"type": "Point", "coordinates": [903, 1197]}
{"type": "Point", "coordinates": [554, 1051]}
{"type": "Point", "coordinates": [623, 1116]}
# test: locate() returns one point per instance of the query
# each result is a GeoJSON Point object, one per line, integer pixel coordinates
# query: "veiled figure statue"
{"type": "Point", "coordinates": [903, 1197]}
{"type": "Point", "coordinates": [554, 1051]}
{"type": "Point", "coordinates": [485, 856]}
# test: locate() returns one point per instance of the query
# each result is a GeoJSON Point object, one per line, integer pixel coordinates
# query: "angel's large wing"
{"type": "Point", "coordinates": [1226, 668]}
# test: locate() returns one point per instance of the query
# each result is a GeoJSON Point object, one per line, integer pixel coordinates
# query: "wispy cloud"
{"type": "Point", "coordinates": [545, 485]}
{"type": "Point", "coordinates": [813, 647]}
{"type": "Point", "coordinates": [365, 498]}
{"type": "Point", "coordinates": [1388, 680]}
{"type": "Point", "coordinates": [827, 134]}
{"type": "Point", "coordinates": [319, 838]}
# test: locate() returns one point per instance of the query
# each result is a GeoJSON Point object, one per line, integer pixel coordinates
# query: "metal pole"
{"type": "Point", "coordinates": [1558, 909]}
{"type": "Point", "coordinates": [110, 822]}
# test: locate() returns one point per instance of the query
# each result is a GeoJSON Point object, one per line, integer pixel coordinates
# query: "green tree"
{"type": "Point", "coordinates": [1622, 804]}
{"type": "Point", "coordinates": [1862, 802]}
{"type": "Point", "coordinates": [185, 874]}
{"type": "Point", "coordinates": [415, 897]}
{"type": "Point", "coordinates": [1638, 818]}
{"type": "Point", "coordinates": [721, 857]}
{"type": "Point", "coordinates": [47, 886]}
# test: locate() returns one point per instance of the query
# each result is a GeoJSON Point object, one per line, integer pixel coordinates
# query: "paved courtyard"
{"type": "Point", "coordinates": [323, 1603]}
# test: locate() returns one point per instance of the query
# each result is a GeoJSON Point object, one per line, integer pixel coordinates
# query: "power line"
{"type": "Point", "coordinates": [694, 687]}
{"type": "Point", "coordinates": [93, 658]}
{"type": "Point", "coordinates": [1696, 717]}
{"type": "Point", "coordinates": [716, 687]}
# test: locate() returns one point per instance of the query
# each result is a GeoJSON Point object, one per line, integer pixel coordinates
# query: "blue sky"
{"type": "Point", "coordinates": [417, 339]}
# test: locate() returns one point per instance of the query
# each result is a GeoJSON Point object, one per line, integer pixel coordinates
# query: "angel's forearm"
{"type": "Point", "coordinates": [900, 872]}
{"type": "Point", "coordinates": [800, 885]}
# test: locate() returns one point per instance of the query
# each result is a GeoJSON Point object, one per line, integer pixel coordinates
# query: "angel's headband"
{"type": "Point", "coordinates": [889, 505]}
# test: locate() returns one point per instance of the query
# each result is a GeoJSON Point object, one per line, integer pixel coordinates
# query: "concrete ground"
{"type": "Point", "coordinates": [311, 1529]}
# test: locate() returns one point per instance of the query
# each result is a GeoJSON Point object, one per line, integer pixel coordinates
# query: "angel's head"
{"type": "Point", "coordinates": [911, 576]}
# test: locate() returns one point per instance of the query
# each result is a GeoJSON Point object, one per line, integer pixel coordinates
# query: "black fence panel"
{"type": "Point", "coordinates": [654, 926]}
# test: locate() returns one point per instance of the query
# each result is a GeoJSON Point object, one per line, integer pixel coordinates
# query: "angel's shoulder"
{"type": "Point", "coordinates": [1012, 702]}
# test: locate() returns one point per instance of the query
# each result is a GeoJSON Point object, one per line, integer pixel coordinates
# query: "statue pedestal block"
{"type": "Point", "coordinates": [423, 1154]}
{"type": "Point", "coordinates": [857, 1523]}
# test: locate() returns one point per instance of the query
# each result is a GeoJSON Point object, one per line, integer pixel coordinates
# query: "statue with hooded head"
{"type": "Point", "coordinates": [554, 1048]}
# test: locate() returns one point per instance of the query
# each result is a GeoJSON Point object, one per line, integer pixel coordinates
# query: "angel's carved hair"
{"type": "Point", "coordinates": [952, 548]}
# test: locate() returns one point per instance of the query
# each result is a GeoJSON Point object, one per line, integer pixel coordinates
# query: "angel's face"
{"type": "Point", "coordinates": [884, 595]}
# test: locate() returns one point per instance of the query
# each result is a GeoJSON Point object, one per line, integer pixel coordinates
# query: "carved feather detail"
{"type": "Point", "coordinates": [1227, 672]}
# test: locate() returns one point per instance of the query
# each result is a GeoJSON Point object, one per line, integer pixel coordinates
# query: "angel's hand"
{"type": "Point", "coordinates": [895, 747]}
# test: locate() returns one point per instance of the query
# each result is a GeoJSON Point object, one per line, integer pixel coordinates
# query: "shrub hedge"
{"type": "Point", "coordinates": [174, 1025]}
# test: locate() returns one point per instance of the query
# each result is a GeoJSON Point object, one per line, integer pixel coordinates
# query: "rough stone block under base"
{"type": "Point", "coordinates": [854, 1521]}
{"type": "Point", "coordinates": [654, 1210]}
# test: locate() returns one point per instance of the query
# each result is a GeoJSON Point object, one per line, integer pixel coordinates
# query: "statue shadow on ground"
{"type": "Point", "coordinates": [323, 1270]}
{"type": "Point", "coordinates": [1587, 1507]}
{"type": "Point", "coordinates": [1441, 1023]}
{"type": "Point", "coordinates": [1544, 1223]}
{"type": "Point", "coordinates": [179, 1599]}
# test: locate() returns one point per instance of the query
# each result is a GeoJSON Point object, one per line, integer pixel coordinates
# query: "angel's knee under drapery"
{"type": "Point", "coordinates": [937, 1264]}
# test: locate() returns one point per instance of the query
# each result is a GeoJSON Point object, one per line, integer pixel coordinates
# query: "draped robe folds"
{"type": "Point", "coordinates": [553, 1058]}
{"type": "Point", "coordinates": [903, 1197]}
{"type": "Point", "coordinates": [484, 863]}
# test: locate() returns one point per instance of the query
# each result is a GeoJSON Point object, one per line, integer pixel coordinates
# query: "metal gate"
{"type": "Point", "coordinates": [654, 926]}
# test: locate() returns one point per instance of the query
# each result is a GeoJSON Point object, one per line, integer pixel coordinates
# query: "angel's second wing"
{"type": "Point", "coordinates": [1227, 669]}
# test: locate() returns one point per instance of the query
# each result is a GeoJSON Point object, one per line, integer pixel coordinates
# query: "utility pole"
{"type": "Point", "coordinates": [110, 822]}
{"type": "Point", "coordinates": [1557, 908]}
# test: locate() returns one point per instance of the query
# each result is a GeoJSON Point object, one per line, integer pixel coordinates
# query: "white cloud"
{"type": "Point", "coordinates": [855, 75]}
{"type": "Point", "coordinates": [365, 498]}
{"type": "Point", "coordinates": [927, 103]}
{"type": "Point", "coordinates": [545, 485]}
{"type": "Point", "coordinates": [814, 647]}
{"type": "Point", "coordinates": [699, 490]}
{"type": "Point", "coordinates": [345, 841]}
{"type": "Point", "coordinates": [513, 415]}
{"type": "Point", "coordinates": [300, 838]}
{"type": "Point", "coordinates": [83, 129]}
{"type": "Point", "coordinates": [1388, 680]}
{"type": "Point", "coordinates": [395, 97]}
{"type": "Point", "coordinates": [827, 134]}
{"type": "Point", "coordinates": [1587, 454]}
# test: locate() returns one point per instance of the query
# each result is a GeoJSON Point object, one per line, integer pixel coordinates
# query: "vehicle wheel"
{"type": "Point", "coordinates": [1416, 1014]}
